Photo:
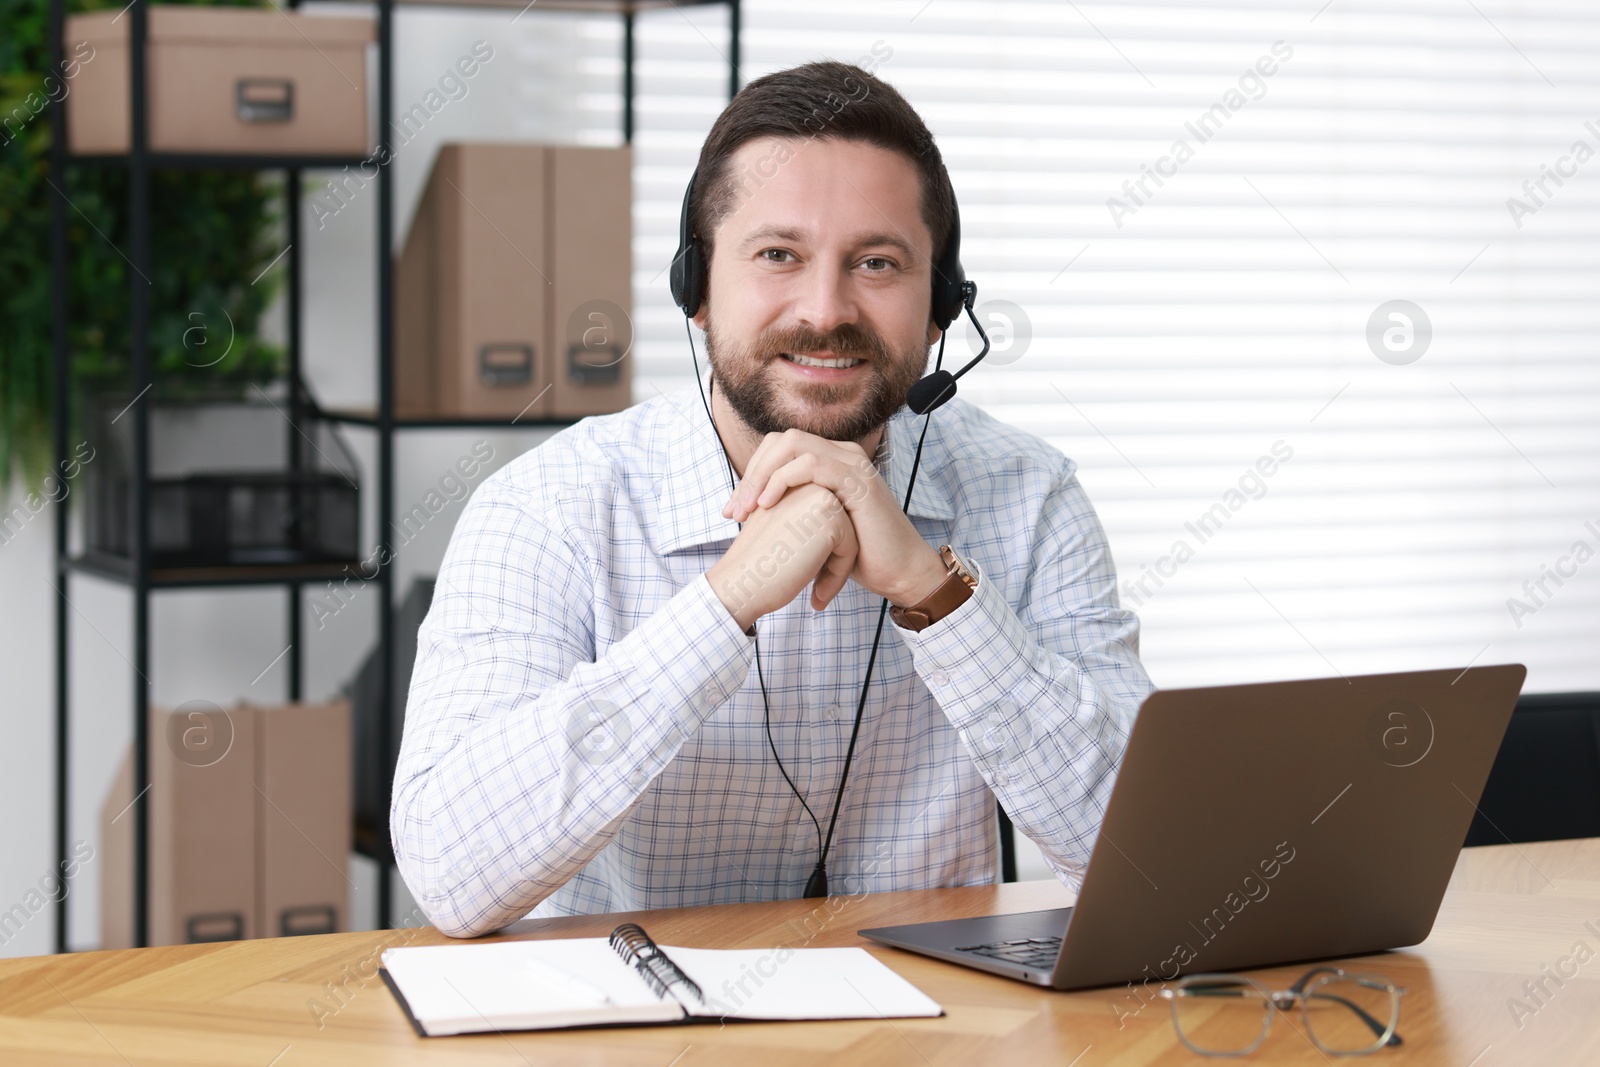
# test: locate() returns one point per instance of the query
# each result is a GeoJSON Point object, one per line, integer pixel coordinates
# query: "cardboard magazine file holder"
{"type": "Point", "coordinates": [591, 230]}
{"type": "Point", "coordinates": [514, 287]}
{"type": "Point", "coordinates": [470, 287]}
{"type": "Point", "coordinates": [202, 854]}
{"type": "Point", "coordinates": [303, 818]}
{"type": "Point", "coordinates": [223, 80]}
{"type": "Point", "coordinates": [249, 825]}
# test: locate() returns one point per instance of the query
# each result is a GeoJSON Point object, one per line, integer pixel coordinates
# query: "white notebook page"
{"type": "Point", "coordinates": [811, 983]}
{"type": "Point", "coordinates": [516, 985]}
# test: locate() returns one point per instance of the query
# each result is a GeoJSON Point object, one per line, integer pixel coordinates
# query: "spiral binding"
{"type": "Point", "coordinates": [654, 966]}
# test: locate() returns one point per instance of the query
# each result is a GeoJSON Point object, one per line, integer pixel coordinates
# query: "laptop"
{"type": "Point", "coordinates": [1253, 825]}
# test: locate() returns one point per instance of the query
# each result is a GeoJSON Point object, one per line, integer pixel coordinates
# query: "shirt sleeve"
{"type": "Point", "coordinates": [522, 751]}
{"type": "Point", "coordinates": [1043, 695]}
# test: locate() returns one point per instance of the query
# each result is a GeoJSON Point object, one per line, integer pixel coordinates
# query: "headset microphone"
{"type": "Point", "coordinates": [932, 391]}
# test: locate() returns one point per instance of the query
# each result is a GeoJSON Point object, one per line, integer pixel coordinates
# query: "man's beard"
{"type": "Point", "coordinates": [746, 376]}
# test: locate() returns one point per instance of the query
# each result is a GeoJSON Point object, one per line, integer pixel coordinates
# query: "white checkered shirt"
{"type": "Point", "coordinates": [584, 731]}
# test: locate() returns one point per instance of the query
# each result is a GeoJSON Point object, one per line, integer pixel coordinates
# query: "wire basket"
{"type": "Point", "coordinates": [233, 482]}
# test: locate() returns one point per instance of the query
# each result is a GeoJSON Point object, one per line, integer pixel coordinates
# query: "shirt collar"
{"type": "Point", "coordinates": [928, 499]}
{"type": "Point", "coordinates": [694, 475]}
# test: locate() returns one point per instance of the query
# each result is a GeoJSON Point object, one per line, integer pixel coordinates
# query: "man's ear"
{"type": "Point", "coordinates": [699, 318]}
{"type": "Point", "coordinates": [934, 333]}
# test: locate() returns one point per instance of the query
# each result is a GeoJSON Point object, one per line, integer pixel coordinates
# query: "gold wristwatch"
{"type": "Point", "coordinates": [950, 595]}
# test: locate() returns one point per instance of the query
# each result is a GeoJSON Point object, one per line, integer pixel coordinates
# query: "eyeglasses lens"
{"type": "Point", "coordinates": [1340, 1009]}
{"type": "Point", "coordinates": [1225, 1016]}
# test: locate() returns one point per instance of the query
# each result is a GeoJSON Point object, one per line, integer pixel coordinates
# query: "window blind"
{"type": "Point", "coordinates": [1190, 224]}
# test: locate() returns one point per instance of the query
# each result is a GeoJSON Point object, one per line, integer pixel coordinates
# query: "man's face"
{"type": "Point", "coordinates": [822, 255]}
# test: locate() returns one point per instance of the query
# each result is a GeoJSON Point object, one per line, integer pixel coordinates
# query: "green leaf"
{"type": "Point", "coordinates": [211, 234]}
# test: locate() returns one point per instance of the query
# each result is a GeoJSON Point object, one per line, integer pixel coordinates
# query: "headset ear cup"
{"type": "Point", "coordinates": [948, 295]}
{"type": "Point", "coordinates": [948, 277]}
{"type": "Point", "coordinates": [688, 278]}
{"type": "Point", "coordinates": [694, 288]}
{"type": "Point", "coordinates": [675, 277]}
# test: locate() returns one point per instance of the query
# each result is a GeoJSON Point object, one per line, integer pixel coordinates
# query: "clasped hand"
{"type": "Point", "coordinates": [816, 510]}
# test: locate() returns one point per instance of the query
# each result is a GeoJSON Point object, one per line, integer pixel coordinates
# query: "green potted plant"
{"type": "Point", "coordinates": [213, 236]}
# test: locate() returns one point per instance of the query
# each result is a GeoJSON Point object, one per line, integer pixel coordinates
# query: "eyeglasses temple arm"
{"type": "Point", "coordinates": [1300, 986]}
{"type": "Point", "coordinates": [1377, 1028]}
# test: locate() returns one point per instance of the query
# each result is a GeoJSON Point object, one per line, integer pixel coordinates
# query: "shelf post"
{"type": "Point", "coordinates": [59, 414]}
{"type": "Point", "coordinates": [385, 433]}
{"type": "Point", "coordinates": [139, 528]}
{"type": "Point", "coordinates": [627, 76]}
{"type": "Point", "coordinates": [292, 329]}
{"type": "Point", "coordinates": [735, 27]}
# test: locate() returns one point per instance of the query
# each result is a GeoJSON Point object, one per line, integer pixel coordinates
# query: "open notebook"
{"type": "Point", "coordinates": [628, 978]}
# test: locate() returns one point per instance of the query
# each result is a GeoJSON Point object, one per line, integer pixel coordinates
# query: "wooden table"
{"type": "Point", "coordinates": [1514, 914]}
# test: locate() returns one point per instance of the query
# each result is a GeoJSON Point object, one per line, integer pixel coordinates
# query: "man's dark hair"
{"type": "Point", "coordinates": [818, 100]}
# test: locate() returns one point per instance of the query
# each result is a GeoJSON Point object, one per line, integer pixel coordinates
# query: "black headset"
{"type": "Point", "coordinates": [951, 294]}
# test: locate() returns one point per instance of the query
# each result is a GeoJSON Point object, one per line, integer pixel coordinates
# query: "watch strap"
{"type": "Point", "coordinates": [954, 591]}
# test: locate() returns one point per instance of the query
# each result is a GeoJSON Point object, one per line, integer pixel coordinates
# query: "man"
{"type": "Point", "coordinates": [590, 727]}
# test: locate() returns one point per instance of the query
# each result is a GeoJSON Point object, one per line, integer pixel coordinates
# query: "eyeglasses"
{"type": "Point", "coordinates": [1229, 1014]}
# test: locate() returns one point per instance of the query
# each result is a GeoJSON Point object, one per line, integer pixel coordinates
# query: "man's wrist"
{"type": "Point", "coordinates": [931, 573]}
{"type": "Point", "coordinates": [740, 610]}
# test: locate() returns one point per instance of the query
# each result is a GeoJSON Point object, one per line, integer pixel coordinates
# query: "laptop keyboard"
{"type": "Point", "coordinates": [1037, 952]}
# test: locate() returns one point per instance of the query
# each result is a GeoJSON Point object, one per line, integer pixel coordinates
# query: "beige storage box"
{"type": "Point", "coordinates": [202, 851]}
{"type": "Point", "coordinates": [225, 81]}
{"type": "Point", "coordinates": [303, 818]}
{"type": "Point", "coordinates": [591, 303]}
{"type": "Point", "coordinates": [249, 825]}
{"type": "Point", "coordinates": [513, 292]}
{"type": "Point", "coordinates": [470, 288]}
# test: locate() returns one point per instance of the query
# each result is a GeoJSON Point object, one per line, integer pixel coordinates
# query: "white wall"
{"type": "Point", "coordinates": [27, 711]}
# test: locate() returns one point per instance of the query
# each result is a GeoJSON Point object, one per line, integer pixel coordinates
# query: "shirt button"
{"type": "Point", "coordinates": [938, 678]}
{"type": "Point", "coordinates": [656, 486]}
{"type": "Point", "coordinates": [832, 711]}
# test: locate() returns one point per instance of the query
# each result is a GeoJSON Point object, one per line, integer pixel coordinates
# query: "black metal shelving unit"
{"type": "Point", "coordinates": [134, 570]}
